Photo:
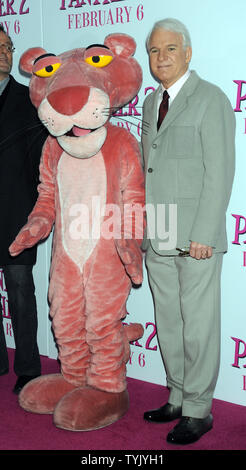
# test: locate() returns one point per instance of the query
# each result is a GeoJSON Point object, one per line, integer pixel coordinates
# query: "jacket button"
{"type": "Point", "coordinates": [154, 146]}
{"type": "Point", "coordinates": [150, 170]}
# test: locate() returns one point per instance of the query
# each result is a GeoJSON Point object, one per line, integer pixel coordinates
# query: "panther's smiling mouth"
{"type": "Point", "coordinates": [81, 142]}
{"type": "Point", "coordinates": [76, 131]}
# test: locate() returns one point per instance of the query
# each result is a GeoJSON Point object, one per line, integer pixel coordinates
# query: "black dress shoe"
{"type": "Point", "coordinates": [189, 430]}
{"type": "Point", "coordinates": [21, 381]}
{"type": "Point", "coordinates": [4, 371]}
{"type": "Point", "coordinates": [164, 414]}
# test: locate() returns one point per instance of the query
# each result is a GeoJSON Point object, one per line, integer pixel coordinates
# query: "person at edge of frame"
{"type": "Point", "coordinates": [21, 139]}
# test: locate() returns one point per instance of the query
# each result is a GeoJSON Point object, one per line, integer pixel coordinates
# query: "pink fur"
{"type": "Point", "coordinates": [90, 280]}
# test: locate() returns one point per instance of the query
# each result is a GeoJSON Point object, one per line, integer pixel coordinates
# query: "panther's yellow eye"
{"type": "Point", "coordinates": [48, 70]}
{"type": "Point", "coordinates": [99, 60]}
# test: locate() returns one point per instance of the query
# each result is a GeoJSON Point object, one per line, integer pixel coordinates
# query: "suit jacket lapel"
{"type": "Point", "coordinates": [180, 102]}
{"type": "Point", "coordinates": [150, 115]}
{"type": "Point", "coordinates": [12, 115]}
{"type": "Point", "coordinates": [178, 105]}
{"type": "Point", "coordinates": [3, 97]}
{"type": "Point", "coordinates": [8, 100]}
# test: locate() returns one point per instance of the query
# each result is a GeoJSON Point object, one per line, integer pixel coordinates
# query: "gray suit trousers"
{"type": "Point", "coordinates": [186, 294]}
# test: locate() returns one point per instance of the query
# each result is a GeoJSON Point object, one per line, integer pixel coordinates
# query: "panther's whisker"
{"type": "Point", "coordinates": [21, 132]}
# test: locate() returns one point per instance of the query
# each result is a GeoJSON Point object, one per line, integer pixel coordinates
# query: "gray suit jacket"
{"type": "Point", "coordinates": [189, 163]}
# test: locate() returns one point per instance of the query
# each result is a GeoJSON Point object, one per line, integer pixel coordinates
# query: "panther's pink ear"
{"type": "Point", "coordinates": [27, 59]}
{"type": "Point", "coordinates": [121, 44]}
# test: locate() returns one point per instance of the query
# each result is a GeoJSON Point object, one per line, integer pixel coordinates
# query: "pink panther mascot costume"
{"type": "Point", "coordinates": [86, 163]}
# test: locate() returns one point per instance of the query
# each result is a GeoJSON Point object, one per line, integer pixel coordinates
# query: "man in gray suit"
{"type": "Point", "coordinates": [189, 165]}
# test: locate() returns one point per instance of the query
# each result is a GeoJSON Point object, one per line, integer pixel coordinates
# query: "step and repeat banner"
{"type": "Point", "coordinates": [217, 29]}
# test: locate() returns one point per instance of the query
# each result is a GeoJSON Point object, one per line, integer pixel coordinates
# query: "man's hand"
{"type": "Point", "coordinates": [199, 251]}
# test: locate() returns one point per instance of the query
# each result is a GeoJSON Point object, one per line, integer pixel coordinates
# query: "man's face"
{"type": "Point", "coordinates": [5, 56]}
{"type": "Point", "coordinates": [168, 59]}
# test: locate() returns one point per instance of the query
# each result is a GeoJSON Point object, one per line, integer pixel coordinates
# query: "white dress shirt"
{"type": "Point", "coordinates": [3, 84]}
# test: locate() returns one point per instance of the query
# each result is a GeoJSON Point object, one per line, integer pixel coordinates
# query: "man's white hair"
{"type": "Point", "coordinates": [171, 24]}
